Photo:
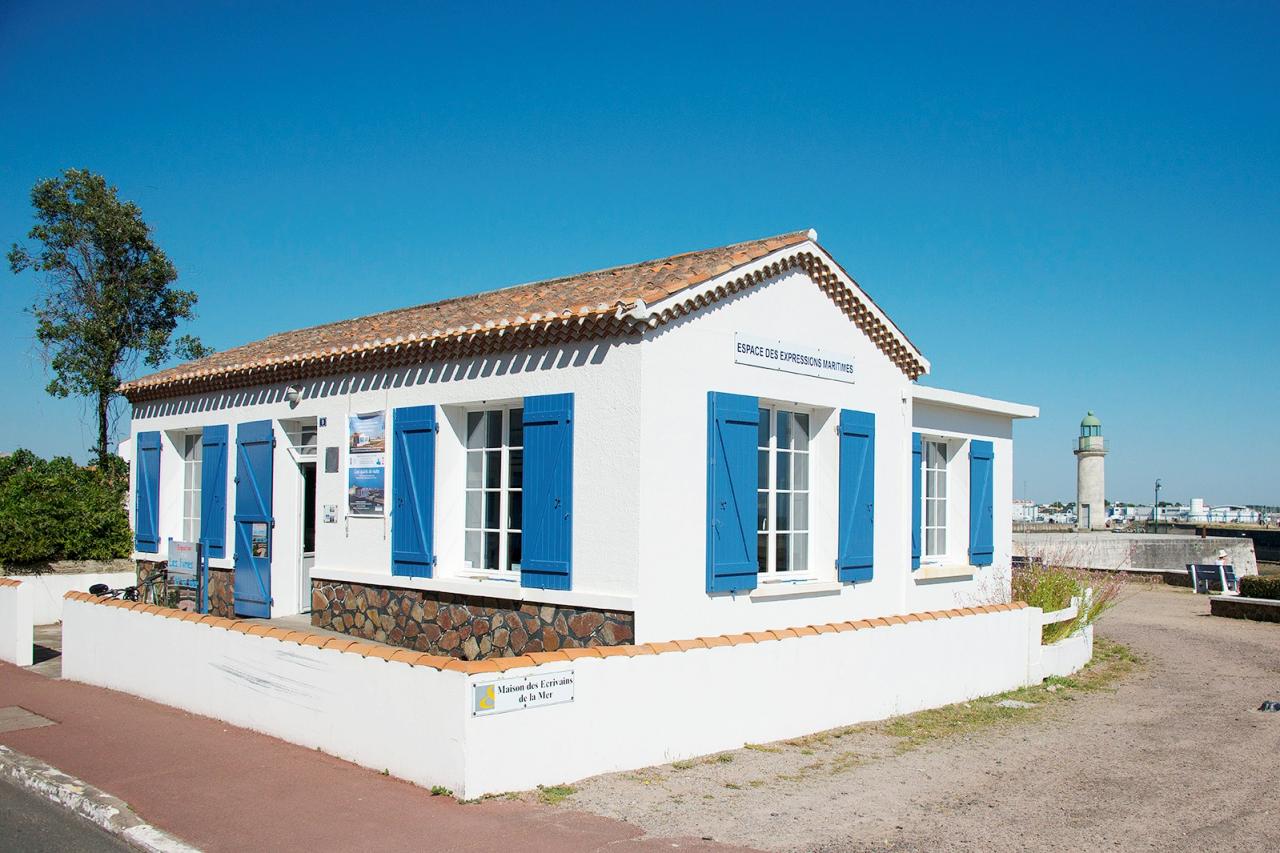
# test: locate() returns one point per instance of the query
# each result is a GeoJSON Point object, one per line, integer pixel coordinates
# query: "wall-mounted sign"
{"type": "Point", "coordinates": [519, 693]}
{"type": "Point", "coordinates": [774, 354]}
{"type": "Point", "coordinates": [184, 564]}
{"type": "Point", "coordinates": [330, 514]}
{"type": "Point", "coordinates": [366, 463]}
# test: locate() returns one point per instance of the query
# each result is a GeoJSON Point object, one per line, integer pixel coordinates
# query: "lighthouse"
{"type": "Point", "coordinates": [1091, 453]}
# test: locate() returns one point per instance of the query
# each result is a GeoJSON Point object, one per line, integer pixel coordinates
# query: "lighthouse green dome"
{"type": "Point", "coordinates": [1090, 426]}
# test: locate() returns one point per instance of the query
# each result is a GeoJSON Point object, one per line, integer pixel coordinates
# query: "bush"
{"type": "Point", "coordinates": [1255, 586]}
{"type": "Point", "coordinates": [57, 510]}
{"type": "Point", "coordinates": [1052, 587]}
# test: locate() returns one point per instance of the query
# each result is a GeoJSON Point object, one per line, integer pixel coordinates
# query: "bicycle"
{"type": "Point", "coordinates": [145, 592]}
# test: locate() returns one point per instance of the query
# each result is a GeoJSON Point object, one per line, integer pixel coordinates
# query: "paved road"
{"type": "Point", "coordinates": [33, 824]}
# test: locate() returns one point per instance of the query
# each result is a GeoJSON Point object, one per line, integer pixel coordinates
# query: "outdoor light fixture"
{"type": "Point", "coordinates": [294, 395]}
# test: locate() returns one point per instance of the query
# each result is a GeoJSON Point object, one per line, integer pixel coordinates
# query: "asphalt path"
{"type": "Point", "coordinates": [32, 823]}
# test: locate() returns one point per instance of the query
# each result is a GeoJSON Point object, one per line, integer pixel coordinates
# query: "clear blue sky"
{"type": "Point", "coordinates": [1071, 206]}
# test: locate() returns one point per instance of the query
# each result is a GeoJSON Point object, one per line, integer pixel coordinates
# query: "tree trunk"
{"type": "Point", "coordinates": [104, 402]}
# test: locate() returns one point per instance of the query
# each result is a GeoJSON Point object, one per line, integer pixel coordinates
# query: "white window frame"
{"type": "Point", "coordinates": [767, 570]}
{"type": "Point", "coordinates": [950, 451]}
{"type": "Point", "coordinates": [505, 568]}
{"type": "Point", "coordinates": [192, 455]}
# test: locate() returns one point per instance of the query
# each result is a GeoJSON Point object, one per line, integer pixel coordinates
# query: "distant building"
{"type": "Point", "coordinates": [1025, 511]}
{"type": "Point", "coordinates": [1222, 514]}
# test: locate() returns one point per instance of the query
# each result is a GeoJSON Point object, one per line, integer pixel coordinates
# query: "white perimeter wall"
{"type": "Point", "coordinates": [628, 712]}
{"type": "Point", "coordinates": [602, 377]}
{"type": "Point", "coordinates": [387, 716]}
{"type": "Point", "coordinates": [15, 624]}
{"type": "Point", "coordinates": [47, 590]}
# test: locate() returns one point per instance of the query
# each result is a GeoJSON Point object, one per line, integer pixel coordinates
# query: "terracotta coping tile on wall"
{"type": "Point", "coordinates": [405, 656]}
{"type": "Point", "coordinates": [547, 657]}
{"type": "Point", "coordinates": [414, 658]}
{"type": "Point", "coordinates": [432, 661]}
{"type": "Point", "coordinates": [515, 662]}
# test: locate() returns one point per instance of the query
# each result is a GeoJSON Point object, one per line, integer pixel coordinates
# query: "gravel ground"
{"type": "Point", "coordinates": [1172, 757]}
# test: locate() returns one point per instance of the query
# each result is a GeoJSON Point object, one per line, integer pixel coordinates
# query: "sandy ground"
{"type": "Point", "coordinates": [1174, 758]}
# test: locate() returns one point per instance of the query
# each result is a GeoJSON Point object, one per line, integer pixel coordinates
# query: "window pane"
{"type": "Point", "coordinates": [493, 429]}
{"type": "Point", "coordinates": [474, 501]}
{"type": "Point", "coordinates": [762, 510]}
{"type": "Point", "coordinates": [762, 469]}
{"type": "Point", "coordinates": [800, 438]}
{"type": "Point", "coordinates": [784, 430]}
{"type": "Point", "coordinates": [475, 429]}
{"type": "Point", "coordinates": [474, 554]}
{"type": "Point", "coordinates": [194, 534]}
{"type": "Point", "coordinates": [491, 550]}
{"type": "Point", "coordinates": [492, 469]}
{"type": "Point", "coordinates": [475, 469]}
{"type": "Point", "coordinates": [799, 552]}
{"type": "Point", "coordinates": [932, 515]}
{"type": "Point", "coordinates": [782, 512]}
{"type": "Point", "coordinates": [762, 552]}
{"type": "Point", "coordinates": [784, 471]}
{"type": "Point", "coordinates": [513, 551]}
{"type": "Point", "coordinates": [515, 428]}
{"type": "Point", "coordinates": [800, 511]}
{"type": "Point", "coordinates": [937, 484]}
{"type": "Point", "coordinates": [514, 510]}
{"type": "Point", "coordinates": [515, 461]}
{"type": "Point", "coordinates": [781, 545]}
{"type": "Point", "coordinates": [931, 541]}
{"type": "Point", "coordinates": [762, 430]}
{"type": "Point", "coordinates": [492, 501]}
{"type": "Point", "coordinates": [800, 468]}
{"type": "Point", "coordinates": [941, 536]}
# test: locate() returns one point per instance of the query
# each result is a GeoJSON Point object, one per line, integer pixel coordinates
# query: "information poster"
{"type": "Point", "coordinates": [366, 463]}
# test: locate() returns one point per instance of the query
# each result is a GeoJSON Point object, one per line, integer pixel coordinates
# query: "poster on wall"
{"type": "Point", "coordinates": [366, 463]}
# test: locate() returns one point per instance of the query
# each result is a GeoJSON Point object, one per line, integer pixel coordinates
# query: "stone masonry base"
{"type": "Point", "coordinates": [462, 626]}
{"type": "Point", "coordinates": [221, 588]}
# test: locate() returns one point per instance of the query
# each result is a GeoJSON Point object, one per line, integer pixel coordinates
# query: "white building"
{"type": "Point", "coordinates": [720, 441]}
{"type": "Point", "coordinates": [1025, 511]}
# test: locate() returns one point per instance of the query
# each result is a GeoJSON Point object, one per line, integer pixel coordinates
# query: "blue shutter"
{"type": "Point", "coordinates": [546, 548]}
{"type": "Point", "coordinates": [213, 490]}
{"type": "Point", "coordinates": [255, 444]}
{"type": "Point", "coordinates": [146, 515]}
{"type": "Point", "coordinates": [856, 551]}
{"type": "Point", "coordinates": [981, 523]}
{"type": "Point", "coordinates": [413, 479]}
{"type": "Point", "coordinates": [732, 426]}
{"type": "Point", "coordinates": [917, 497]}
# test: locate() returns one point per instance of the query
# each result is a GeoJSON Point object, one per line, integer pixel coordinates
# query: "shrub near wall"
{"type": "Point", "coordinates": [1255, 586]}
{"type": "Point", "coordinates": [56, 510]}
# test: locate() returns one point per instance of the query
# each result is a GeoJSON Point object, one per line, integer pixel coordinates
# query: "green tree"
{"type": "Point", "coordinates": [106, 300]}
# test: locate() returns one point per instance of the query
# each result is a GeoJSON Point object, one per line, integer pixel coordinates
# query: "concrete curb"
{"type": "Point", "coordinates": [110, 813]}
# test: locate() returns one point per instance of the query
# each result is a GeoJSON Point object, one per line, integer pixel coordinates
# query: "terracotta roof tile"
{"type": "Point", "coordinates": [577, 307]}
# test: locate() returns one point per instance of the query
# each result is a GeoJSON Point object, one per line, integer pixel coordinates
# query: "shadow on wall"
{"type": "Point", "coordinates": [430, 373]}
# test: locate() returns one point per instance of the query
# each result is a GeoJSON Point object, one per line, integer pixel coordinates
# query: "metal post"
{"type": "Point", "coordinates": [1155, 509]}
